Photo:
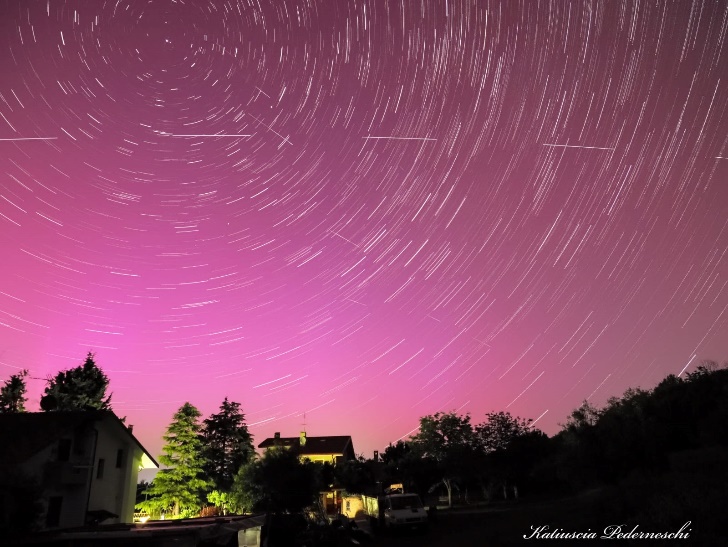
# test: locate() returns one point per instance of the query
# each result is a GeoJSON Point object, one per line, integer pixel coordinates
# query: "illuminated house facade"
{"type": "Point", "coordinates": [86, 464]}
{"type": "Point", "coordinates": [332, 449]}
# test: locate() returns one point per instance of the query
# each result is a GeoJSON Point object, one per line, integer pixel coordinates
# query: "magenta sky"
{"type": "Point", "coordinates": [430, 206]}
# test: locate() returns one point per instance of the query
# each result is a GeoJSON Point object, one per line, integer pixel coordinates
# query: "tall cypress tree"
{"type": "Point", "coordinates": [12, 394]}
{"type": "Point", "coordinates": [182, 485]}
{"type": "Point", "coordinates": [228, 444]}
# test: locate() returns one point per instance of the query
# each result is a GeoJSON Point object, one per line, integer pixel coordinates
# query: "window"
{"type": "Point", "coordinates": [119, 458]}
{"type": "Point", "coordinates": [53, 517]}
{"type": "Point", "coordinates": [64, 450]}
{"type": "Point", "coordinates": [100, 469]}
{"type": "Point", "coordinates": [79, 438]}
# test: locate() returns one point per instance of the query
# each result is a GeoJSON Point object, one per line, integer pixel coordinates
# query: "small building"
{"type": "Point", "coordinates": [85, 464]}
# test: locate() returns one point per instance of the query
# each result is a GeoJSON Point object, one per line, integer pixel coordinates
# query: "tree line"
{"type": "Point", "coordinates": [643, 432]}
{"type": "Point", "coordinates": [80, 388]}
{"type": "Point", "coordinates": [630, 445]}
{"type": "Point", "coordinates": [212, 469]}
{"type": "Point", "coordinates": [202, 461]}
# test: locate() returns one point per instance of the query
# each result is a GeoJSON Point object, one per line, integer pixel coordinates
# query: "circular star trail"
{"type": "Point", "coordinates": [363, 211]}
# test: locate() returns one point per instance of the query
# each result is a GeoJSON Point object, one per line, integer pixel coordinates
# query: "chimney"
{"type": "Point", "coordinates": [376, 455]}
{"type": "Point", "coordinates": [302, 439]}
{"type": "Point", "coordinates": [277, 435]}
{"type": "Point", "coordinates": [131, 428]}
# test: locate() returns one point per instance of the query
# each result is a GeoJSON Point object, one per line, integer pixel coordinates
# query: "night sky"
{"type": "Point", "coordinates": [364, 211]}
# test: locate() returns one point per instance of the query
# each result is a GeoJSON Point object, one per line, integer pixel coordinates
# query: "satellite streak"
{"type": "Point", "coordinates": [204, 135]}
{"type": "Point", "coordinates": [403, 138]}
{"type": "Point", "coordinates": [578, 146]}
{"type": "Point", "coordinates": [31, 139]}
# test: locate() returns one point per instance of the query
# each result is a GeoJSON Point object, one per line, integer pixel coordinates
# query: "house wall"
{"type": "Point", "coordinates": [127, 514]}
{"type": "Point", "coordinates": [352, 506]}
{"type": "Point", "coordinates": [115, 489]}
{"type": "Point", "coordinates": [321, 458]}
{"type": "Point", "coordinates": [66, 480]}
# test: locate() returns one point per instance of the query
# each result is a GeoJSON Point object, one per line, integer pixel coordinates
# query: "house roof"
{"type": "Point", "coordinates": [24, 434]}
{"type": "Point", "coordinates": [334, 444]}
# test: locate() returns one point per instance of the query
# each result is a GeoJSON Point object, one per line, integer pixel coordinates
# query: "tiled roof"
{"type": "Point", "coordinates": [336, 444]}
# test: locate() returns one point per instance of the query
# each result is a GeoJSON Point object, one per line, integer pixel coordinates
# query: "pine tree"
{"type": "Point", "coordinates": [80, 388]}
{"type": "Point", "coordinates": [182, 486]}
{"type": "Point", "coordinates": [12, 394]}
{"type": "Point", "coordinates": [228, 444]}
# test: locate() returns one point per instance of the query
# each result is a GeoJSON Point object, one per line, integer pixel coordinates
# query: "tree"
{"type": "Point", "coordinates": [222, 501]}
{"type": "Point", "coordinates": [582, 418]}
{"type": "Point", "coordinates": [510, 448]}
{"type": "Point", "coordinates": [355, 476]}
{"type": "Point", "coordinates": [12, 394]}
{"type": "Point", "coordinates": [394, 453]}
{"type": "Point", "coordinates": [228, 445]}
{"type": "Point", "coordinates": [500, 430]}
{"type": "Point", "coordinates": [182, 485]}
{"type": "Point", "coordinates": [447, 439]}
{"type": "Point", "coordinates": [276, 483]}
{"type": "Point", "coordinates": [80, 388]}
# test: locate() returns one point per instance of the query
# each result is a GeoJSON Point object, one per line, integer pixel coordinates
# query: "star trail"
{"type": "Point", "coordinates": [365, 211]}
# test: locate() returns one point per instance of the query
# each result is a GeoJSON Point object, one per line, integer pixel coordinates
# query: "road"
{"type": "Point", "coordinates": [464, 530]}
{"type": "Point", "coordinates": [497, 526]}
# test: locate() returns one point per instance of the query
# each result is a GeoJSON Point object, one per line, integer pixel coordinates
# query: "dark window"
{"type": "Point", "coordinates": [119, 458]}
{"type": "Point", "coordinates": [53, 517]}
{"type": "Point", "coordinates": [100, 469]}
{"type": "Point", "coordinates": [64, 450]}
{"type": "Point", "coordinates": [78, 442]}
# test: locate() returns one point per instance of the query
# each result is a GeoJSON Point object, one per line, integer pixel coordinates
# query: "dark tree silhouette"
{"type": "Point", "coordinates": [354, 476]}
{"type": "Point", "coordinates": [276, 483]}
{"type": "Point", "coordinates": [500, 430]}
{"type": "Point", "coordinates": [12, 394]}
{"type": "Point", "coordinates": [228, 445]}
{"type": "Point", "coordinates": [503, 444]}
{"type": "Point", "coordinates": [447, 439]}
{"type": "Point", "coordinates": [80, 388]}
{"type": "Point", "coordinates": [394, 453]}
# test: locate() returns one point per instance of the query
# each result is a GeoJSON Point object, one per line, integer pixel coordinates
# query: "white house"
{"type": "Point", "coordinates": [85, 462]}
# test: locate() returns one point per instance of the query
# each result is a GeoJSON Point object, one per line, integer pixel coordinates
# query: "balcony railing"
{"type": "Point", "coordinates": [67, 473]}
